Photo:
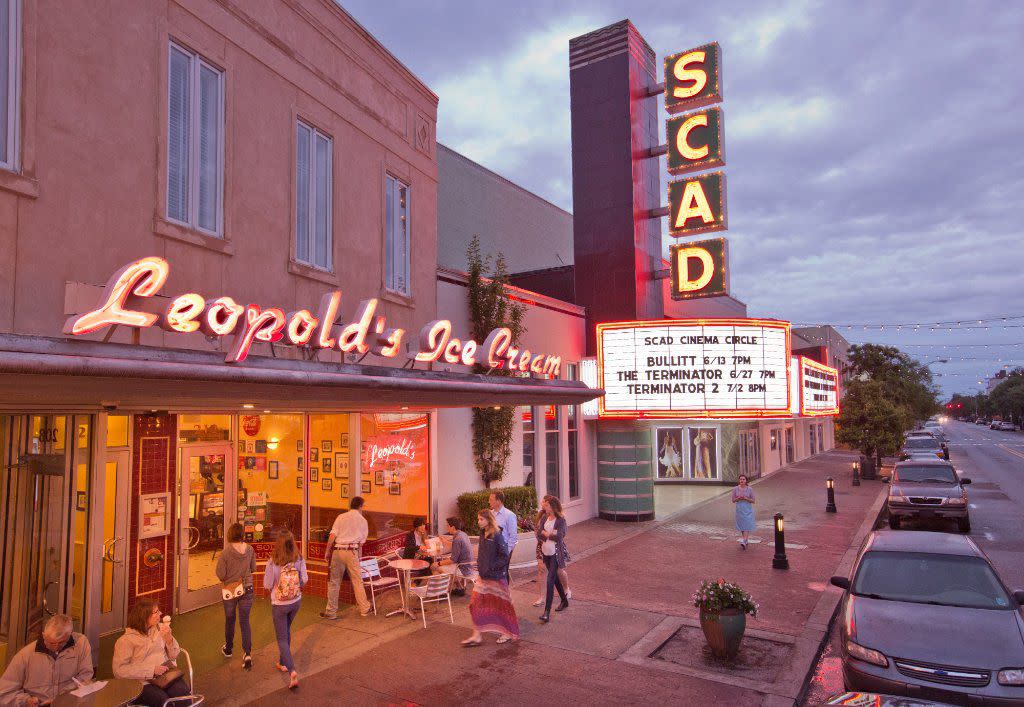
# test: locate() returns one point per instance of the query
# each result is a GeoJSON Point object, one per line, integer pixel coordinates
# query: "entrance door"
{"type": "Point", "coordinates": [35, 513]}
{"type": "Point", "coordinates": [204, 507]}
{"type": "Point", "coordinates": [113, 550]}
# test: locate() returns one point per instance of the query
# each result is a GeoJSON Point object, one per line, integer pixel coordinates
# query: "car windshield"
{"type": "Point", "coordinates": [935, 473]}
{"type": "Point", "coordinates": [921, 443]}
{"type": "Point", "coordinates": [925, 578]}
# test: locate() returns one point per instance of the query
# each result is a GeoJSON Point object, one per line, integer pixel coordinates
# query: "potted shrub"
{"type": "Point", "coordinates": [723, 615]}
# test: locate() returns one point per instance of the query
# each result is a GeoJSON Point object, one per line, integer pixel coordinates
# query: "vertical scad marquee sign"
{"type": "Point", "coordinates": [695, 143]}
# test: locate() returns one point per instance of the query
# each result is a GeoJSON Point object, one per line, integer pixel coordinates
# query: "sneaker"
{"type": "Point", "coordinates": [247, 662]}
{"type": "Point", "coordinates": [568, 594]}
{"type": "Point", "coordinates": [539, 602]}
{"type": "Point", "coordinates": [225, 651]}
{"type": "Point", "coordinates": [329, 617]}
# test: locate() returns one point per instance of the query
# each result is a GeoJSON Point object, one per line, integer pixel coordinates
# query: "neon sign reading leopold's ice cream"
{"type": "Point", "coordinates": [366, 333]}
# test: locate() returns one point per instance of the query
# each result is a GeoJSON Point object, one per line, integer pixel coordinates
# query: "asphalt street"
{"type": "Point", "coordinates": [994, 462]}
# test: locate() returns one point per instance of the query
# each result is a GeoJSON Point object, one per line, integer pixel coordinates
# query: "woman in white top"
{"type": "Point", "coordinates": [551, 536]}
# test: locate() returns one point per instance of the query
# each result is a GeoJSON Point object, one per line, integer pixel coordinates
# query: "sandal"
{"type": "Point", "coordinates": [470, 643]}
{"type": "Point", "coordinates": [281, 668]}
{"type": "Point", "coordinates": [294, 682]}
{"type": "Point", "coordinates": [506, 639]}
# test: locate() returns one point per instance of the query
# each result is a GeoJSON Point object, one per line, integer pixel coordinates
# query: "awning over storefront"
{"type": "Point", "coordinates": [47, 373]}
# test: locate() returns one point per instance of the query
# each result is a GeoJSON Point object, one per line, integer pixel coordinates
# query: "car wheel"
{"type": "Point", "coordinates": [894, 523]}
{"type": "Point", "coordinates": [964, 525]}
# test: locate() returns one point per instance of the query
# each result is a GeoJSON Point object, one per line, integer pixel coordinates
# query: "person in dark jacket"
{"type": "Point", "coordinates": [551, 533]}
{"type": "Point", "coordinates": [491, 607]}
{"type": "Point", "coordinates": [235, 566]}
{"type": "Point", "coordinates": [415, 544]}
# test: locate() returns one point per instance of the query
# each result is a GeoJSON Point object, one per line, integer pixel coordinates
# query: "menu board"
{"type": "Point", "coordinates": [819, 386]}
{"type": "Point", "coordinates": [694, 368]}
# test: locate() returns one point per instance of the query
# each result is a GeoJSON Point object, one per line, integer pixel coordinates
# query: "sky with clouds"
{"type": "Point", "coordinates": [875, 150]}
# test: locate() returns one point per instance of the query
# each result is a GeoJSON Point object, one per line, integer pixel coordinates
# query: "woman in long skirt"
{"type": "Point", "coordinates": [490, 607]}
{"type": "Point", "coordinates": [743, 498]}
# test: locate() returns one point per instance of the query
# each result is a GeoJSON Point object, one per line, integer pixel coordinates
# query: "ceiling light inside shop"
{"type": "Point", "coordinates": [248, 406]}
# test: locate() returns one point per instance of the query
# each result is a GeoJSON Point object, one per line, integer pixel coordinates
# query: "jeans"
{"type": "Point", "coordinates": [242, 606]}
{"type": "Point", "coordinates": [341, 561]}
{"type": "Point", "coordinates": [551, 565]}
{"type": "Point", "coordinates": [155, 697]}
{"type": "Point", "coordinates": [284, 614]}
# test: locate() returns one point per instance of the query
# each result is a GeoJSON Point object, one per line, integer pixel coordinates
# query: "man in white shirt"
{"type": "Point", "coordinates": [508, 523]}
{"type": "Point", "coordinates": [344, 548]}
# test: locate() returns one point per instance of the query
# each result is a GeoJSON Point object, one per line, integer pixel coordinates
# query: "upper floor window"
{"type": "Point", "coordinates": [195, 142]}
{"type": "Point", "coordinates": [313, 197]}
{"type": "Point", "coordinates": [396, 237]}
{"type": "Point", "coordinates": [10, 53]}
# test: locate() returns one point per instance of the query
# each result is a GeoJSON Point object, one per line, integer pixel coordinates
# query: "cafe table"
{"type": "Point", "coordinates": [115, 693]}
{"type": "Point", "coordinates": [406, 568]}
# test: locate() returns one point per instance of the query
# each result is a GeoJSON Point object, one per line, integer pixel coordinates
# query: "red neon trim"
{"type": "Point", "coordinates": [824, 369]}
{"type": "Point", "coordinates": [697, 413]}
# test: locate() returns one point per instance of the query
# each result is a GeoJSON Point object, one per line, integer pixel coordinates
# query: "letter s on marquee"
{"type": "Point", "coordinates": [143, 278]}
{"type": "Point", "coordinates": [698, 76]}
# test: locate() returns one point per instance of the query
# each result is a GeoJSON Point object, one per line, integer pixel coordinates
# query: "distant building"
{"type": "Point", "coordinates": [995, 380]}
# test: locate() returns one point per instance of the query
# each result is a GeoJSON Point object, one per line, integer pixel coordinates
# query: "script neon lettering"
{"type": "Point", "coordinates": [259, 326]}
{"type": "Point", "coordinates": [496, 344]}
{"type": "Point", "coordinates": [433, 339]}
{"type": "Point", "coordinates": [451, 351]}
{"type": "Point", "coordinates": [328, 311]}
{"type": "Point", "coordinates": [353, 336]}
{"type": "Point", "coordinates": [469, 353]}
{"type": "Point", "coordinates": [301, 327]}
{"type": "Point", "coordinates": [182, 313]}
{"type": "Point", "coordinates": [222, 317]}
{"type": "Point", "coordinates": [143, 278]}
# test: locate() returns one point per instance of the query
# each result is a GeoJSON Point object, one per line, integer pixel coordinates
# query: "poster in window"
{"type": "Point", "coordinates": [378, 478]}
{"type": "Point", "coordinates": [341, 465]}
{"type": "Point", "coordinates": [154, 515]}
{"type": "Point", "coordinates": [671, 459]}
{"type": "Point", "coordinates": [394, 489]}
{"type": "Point", "coordinates": [703, 450]}
{"type": "Point", "coordinates": [344, 440]}
{"type": "Point", "coordinates": [327, 483]}
{"type": "Point", "coordinates": [314, 473]}
{"type": "Point", "coordinates": [273, 470]}
{"type": "Point", "coordinates": [326, 445]}
{"type": "Point", "coordinates": [314, 455]}
{"type": "Point", "coordinates": [326, 464]}
{"type": "Point", "coordinates": [366, 488]}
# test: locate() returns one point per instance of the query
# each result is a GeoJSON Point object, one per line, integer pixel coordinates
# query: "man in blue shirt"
{"type": "Point", "coordinates": [508, 523]}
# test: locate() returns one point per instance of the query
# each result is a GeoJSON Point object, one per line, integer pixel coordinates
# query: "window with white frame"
{"type": "Point", "coordinates": [552, 458]}
{"type": "Point", "coordinates": [10, 54]}
{"type": "Point", "coordinates": [313, 211]}
{"type": "Point", "coordinates": [396, 237]}
{"type": "Point", "coordinates": [573, 432]}
{"type": "Point", "coordinates": [195, 141]}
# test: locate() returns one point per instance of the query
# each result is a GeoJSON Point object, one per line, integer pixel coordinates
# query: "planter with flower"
{"type": "Point", "coordinates": [723, 615]}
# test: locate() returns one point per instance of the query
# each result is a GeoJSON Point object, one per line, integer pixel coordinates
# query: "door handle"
{"type": "Point", "coordinates": [108, 554]}
{"type": "Point", "coordinates": [46, 605]}
{"type": "Point", "coordinates": [192, 544]}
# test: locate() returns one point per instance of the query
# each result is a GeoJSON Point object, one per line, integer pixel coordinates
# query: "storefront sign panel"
{"type": "Point", "coordinates": [693, 78]}
{"type": "Point", "coordinates": [695, 141]}
{"type": "Point", "coordinates": [699, 269]}
{"type": "Point", "coordinates": [819, 386]}
{"type": "Point", "coordinates": [694, 368]}
{"type": "Point", "coordinates": [697, 205]}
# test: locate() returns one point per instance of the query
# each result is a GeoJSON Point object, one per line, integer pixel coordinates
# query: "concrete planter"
{"type": "Point", "coordinates": [724, 632]}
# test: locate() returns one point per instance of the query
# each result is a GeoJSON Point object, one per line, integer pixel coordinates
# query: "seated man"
{"type": "Point", "coordinates": [460, 563]}
{"type": "Point", "coordinates": [49, 667]}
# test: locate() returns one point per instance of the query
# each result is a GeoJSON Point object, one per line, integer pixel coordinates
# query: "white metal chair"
{"type": "Point", "coordinates": [370, 570]}
{"type": "Point", "coordinates": [433, 590]}
{"type": "Point", "coordinates": [192, 699]}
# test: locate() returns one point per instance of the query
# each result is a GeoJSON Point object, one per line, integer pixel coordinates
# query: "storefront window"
{"type": "Point", "coordinates": [789, 445]}
{"type": "Point", "coordinates": [203, 428]}
{"type": "Point", "coordinates": [270, 475]}
{"type": "Point", "coordinates": [395, 475]}
{"type": "Point", "coordinates": [572, 429]}
{"type": "Point", "coordinates": [529, 440]}
{"type": "Point", "coordinates": [117, 430]}
{"type": "Point", "coordinates": [814, 439]}
{"type": "Point", "coordinates": [329, 480]}
{"type": "Point", "coordinates": [552, 458]}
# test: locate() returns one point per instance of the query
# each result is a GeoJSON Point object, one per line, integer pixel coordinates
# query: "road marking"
{"type": "Point", "coordinates": [1014, 452]}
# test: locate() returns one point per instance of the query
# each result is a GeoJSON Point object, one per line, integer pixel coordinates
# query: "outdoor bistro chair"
{"type": "Point", "coordinates": [371, 571]}
{"type": "Point", "coordinates": [192, 699]}
{"type": "Point", "coordinates": [432, 590]}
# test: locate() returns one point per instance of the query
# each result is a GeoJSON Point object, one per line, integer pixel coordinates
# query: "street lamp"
{"type": "Point", "coordinates": [856, 473]}
{"type": "Point", "coordinates": [780, 562]}
{"type": "Point", "coordinates": [830, 504]}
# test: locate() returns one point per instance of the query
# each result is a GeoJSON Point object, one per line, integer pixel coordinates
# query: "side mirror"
{"type": "Point", "coordinates": [844, 583]}
{"type": "Point", "coordinates": [964, 482]}
{"type": "Point", "coordinates": [1019, 596]}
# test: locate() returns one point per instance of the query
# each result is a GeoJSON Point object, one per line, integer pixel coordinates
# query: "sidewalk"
{"type": "Point", "coordinates": [630, 635]}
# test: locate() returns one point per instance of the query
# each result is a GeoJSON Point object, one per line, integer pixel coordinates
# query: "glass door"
{"type": "Point", "coordinates": [113, 550]}
{"type": "Point", "coordinates": [204, 509]}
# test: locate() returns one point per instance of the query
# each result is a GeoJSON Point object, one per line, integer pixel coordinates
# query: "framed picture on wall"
{"type": "Point", "coordinates": [670, 453]}
{"type": "Point", "coordinates": [314, 455]}
{"type": "Point", "coordinates": [344, 440]}
{"type": "Point", "coordinates": [394, 489]}
{"type": "Point", "coordinates": [314, 474]}
{"type": "Point", "coordinates": [366, 488]}
{"type": "Point", "coordinates": [298, 482]}
{"type": "Point", "coordinates": [241, 447]}
{"type": "Point", "coordinates": [326, 464]}
{"type": "Point", "coordinates": [341, 465]}
{"type": "Point", "coordinates": [273, 470]}
{"type": "Point", "coordinates": [298, 445]}
{"type": "Point", "coordinates": [327, 483]}
{"type": "Point", "coordinates": [344, 490]}
{"type": "Point", "coordinates": [299, 464]}
{"type": "Point", "coordinates": [378, 478]}
{"type": "Point", "coordinates": [250, 447]}
{"type": "Point", "coordinates": [155, 514]}
{"type": "Point", "coordinates": [703, 451]}
{"type": "Point", "coordinates": [326, 445]}
{"type": "Point", "coordinates": [81, 501]}
{"type": "Point", "coordinates": [261, 446]}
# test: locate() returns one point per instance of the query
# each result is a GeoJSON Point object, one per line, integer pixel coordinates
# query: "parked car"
{"type": "Point", "coordinates": [928, 489]}
{"type": "Point", "coordinates": [923, 447]}
{"type": "Point", "coordinates": [926, 615]}
{"type": "Point", "coordinates": [936, 430]}
{"type": "Point", "coordinates": [1004, 425]}
{"type": "Point", "coordinates": [981, 421]}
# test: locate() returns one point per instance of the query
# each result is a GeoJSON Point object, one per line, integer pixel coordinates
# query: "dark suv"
{"type": "Point", "coordinates": [928, 488]}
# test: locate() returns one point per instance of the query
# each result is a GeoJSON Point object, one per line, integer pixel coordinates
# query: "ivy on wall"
{"type": "Point", "coordinates": [489, 308]}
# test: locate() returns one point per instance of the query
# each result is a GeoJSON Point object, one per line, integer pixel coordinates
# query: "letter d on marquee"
{"type": "Point", "coordinates": [699, 269]}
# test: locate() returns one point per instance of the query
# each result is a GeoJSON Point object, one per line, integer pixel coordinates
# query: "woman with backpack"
{"type": "Point", "coordinates": [283, 578]}
{"type": "Point", "coordinates": [234, 569]}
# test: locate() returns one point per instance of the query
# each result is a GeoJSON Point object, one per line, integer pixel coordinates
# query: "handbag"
{"type": "Point", "coordinates": [232, 590]}
{"type": "Point", "coordinates": [162, 681]}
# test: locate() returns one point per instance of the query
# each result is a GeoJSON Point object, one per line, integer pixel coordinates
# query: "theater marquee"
{"type": "Point", "coordinates": [703, 368]}
{"type": "Point", "coordinates": [819, 388]}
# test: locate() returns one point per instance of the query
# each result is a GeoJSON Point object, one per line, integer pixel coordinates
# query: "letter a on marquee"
{"type": "Point", "coordinates": [697, 205]}
{"type": "Point", "coordinates": [699, 269]}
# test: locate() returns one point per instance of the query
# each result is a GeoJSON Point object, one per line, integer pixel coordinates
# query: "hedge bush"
{"type": "Point", "coordinates": [521, 500]}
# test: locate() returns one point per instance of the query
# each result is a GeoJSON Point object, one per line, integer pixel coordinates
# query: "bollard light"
{"type": "Point", "coordinates": [830, 503]}
{"type": "Point", "coordinates": [780, 562]}
{"type": "Point", "coordinates": [856, 473]}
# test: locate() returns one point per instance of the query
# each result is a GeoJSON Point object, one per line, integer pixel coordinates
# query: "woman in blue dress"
{"type": "Point", "coordinates": [743, 497]}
